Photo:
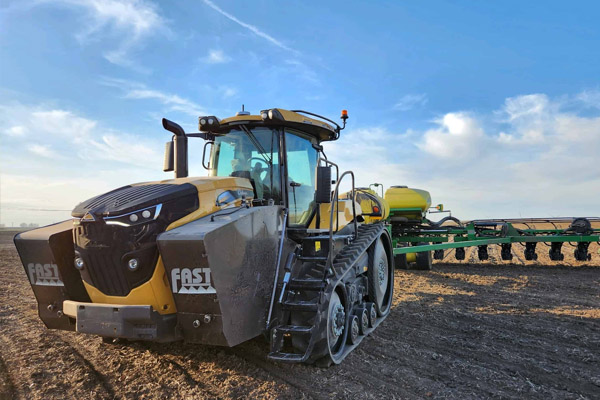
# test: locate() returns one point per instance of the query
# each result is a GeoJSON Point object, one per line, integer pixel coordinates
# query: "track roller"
{"type": "Point", "coordinates": [354, 330]}
{"type": "Point", "coordinates": [370, 307]}
{"type": "Point", "coordinates": [363, 320]}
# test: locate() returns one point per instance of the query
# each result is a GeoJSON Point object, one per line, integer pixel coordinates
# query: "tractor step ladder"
{"type": "Point", "coordinates": [289, 304]}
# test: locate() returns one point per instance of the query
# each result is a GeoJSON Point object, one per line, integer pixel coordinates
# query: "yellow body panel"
{"type": "Point", "coordinates": [344, 214]}
{"type": "Point", "coordinates": [367, 204]}
{"type": "Point", "coordinates": [209, 188]}
{"type": "Point", "coordinates": [157, 292]}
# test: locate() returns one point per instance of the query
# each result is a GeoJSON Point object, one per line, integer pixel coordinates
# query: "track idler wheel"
{"type": "Point", "coordinates": [423, 259]}
{"type": "Point", "coordinates": [336, 324]}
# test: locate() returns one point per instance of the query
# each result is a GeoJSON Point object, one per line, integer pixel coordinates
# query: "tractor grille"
{"type": "Point", "coordinates": [106, 249]}
{"type": "Point", "coordinates": [108, 276]}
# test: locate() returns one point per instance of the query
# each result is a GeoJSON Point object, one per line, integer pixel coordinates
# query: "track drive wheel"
{"type": "Point", "coordinates": [424, 259]}
{"type": "Point", "coordinates": [381, 278]}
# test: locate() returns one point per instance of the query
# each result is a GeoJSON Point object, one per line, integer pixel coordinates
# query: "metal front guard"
{"type": "Point", "coordinates": [122, 321]}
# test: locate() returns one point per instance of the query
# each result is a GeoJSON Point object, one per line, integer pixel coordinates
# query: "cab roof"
{"type": "Point", "coordinates": [319, 129]}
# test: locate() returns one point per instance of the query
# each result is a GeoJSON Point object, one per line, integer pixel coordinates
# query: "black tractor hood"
{"type": "Point", "coordinates": [129, 198]}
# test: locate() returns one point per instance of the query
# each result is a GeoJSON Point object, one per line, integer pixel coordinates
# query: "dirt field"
{"type": "Point", "coordinates": [462, 331]}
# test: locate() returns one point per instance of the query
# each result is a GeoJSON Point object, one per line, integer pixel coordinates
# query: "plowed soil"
{"type": "Point", "coordinates": [464, 330]}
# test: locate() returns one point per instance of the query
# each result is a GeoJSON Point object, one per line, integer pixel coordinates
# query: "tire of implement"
{"type": "Point", "coordinates": [424, 259]}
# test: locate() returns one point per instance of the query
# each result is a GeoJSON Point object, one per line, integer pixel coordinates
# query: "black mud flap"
{"type": "Point", "coordinates": [221, 270]}
{"type": "Point", "coordinates": [47, 255]}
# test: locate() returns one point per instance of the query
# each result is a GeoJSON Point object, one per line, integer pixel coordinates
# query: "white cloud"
{"type": "Point", "coordinates": [65, 158]}
{"type": "Point", "coordinates": [304, 71]}
{"type": "Point", "coordinates": [216, 56]}
{"type": "Point", "coordinates": [44, 151]}
{"type": "Point", "coordinates": [531, 105]}
{"type": "Point", "coordinates": [139, 91]}
{"type": "Point", "coordinates": [229, 92]}
{"type": "Point", "coordinates": [124, 22]}
{"type": "Point", "coordinates": [534, 157]}
{"type": "Point", "coordinates": [458, 136]}
{"type": "Point", "coordinates": [57, 133]}
{"type": "Point", "coordinates": [410, 101]}
{"type": "Point", "coordinates": [589, 98]}
{"type": "Point", "coordinates": [16, 130]}
{"type": "Point", "coordinates": [173, 101]}
{"type": "Point", "coordinates": [258, 32]}
{"type": "Point", "coordinates": [62, 124]}
{"type": "Point", "coordinates": [370, 154]}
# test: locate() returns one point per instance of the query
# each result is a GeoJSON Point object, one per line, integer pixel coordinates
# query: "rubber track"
{"type": "Point", "coordinates": [367, 234]}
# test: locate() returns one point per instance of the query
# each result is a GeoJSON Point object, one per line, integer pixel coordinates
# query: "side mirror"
{"type": "Point", "coordinates": [168, 165]}
{"type": "Point", "coordinates": [323, 194]}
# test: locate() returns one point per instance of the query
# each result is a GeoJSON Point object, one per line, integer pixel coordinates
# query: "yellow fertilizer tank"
{"type": "Point", "coordinates": [407, 203]}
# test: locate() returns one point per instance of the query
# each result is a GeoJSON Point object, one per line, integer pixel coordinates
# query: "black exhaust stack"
{"type": "Point", "coordinates": [178, 151]}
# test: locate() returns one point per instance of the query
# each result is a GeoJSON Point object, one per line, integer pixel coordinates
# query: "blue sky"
{"type": "Point", "coordinates": [494, 107]}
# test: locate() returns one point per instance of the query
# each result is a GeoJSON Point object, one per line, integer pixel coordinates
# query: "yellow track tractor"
{"type": "Point", "coordinates": [261, 245]}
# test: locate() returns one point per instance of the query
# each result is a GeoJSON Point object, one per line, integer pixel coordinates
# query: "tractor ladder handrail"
{"type": "Point", "coordinates": [334, 204]}
{"type": "Point", "coordinates": [277, 264]}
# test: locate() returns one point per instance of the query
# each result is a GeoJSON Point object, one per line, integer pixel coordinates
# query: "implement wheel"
{"type": "Point", "coordinates": [400, 261]}
{"type": "Point", "coordinates": [423, 259]}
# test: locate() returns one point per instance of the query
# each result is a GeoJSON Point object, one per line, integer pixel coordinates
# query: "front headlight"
{"type": "Point", "coordinates": [134, 218]}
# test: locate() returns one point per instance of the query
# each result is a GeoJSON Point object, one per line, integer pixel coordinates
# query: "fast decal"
{"type": "Point", "coordinates": [191, 281]}
{"type": "Point", "coordinates": [44, 274]}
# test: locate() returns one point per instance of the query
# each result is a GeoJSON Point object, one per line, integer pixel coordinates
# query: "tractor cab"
{"type": "Point", "coordinates": [278, 151]}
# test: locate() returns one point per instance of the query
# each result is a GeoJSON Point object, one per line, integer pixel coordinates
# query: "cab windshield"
{"type": "Point", "coordinates": [301, 165]}
{"type": "Point", "coordinates": [251, 153]}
